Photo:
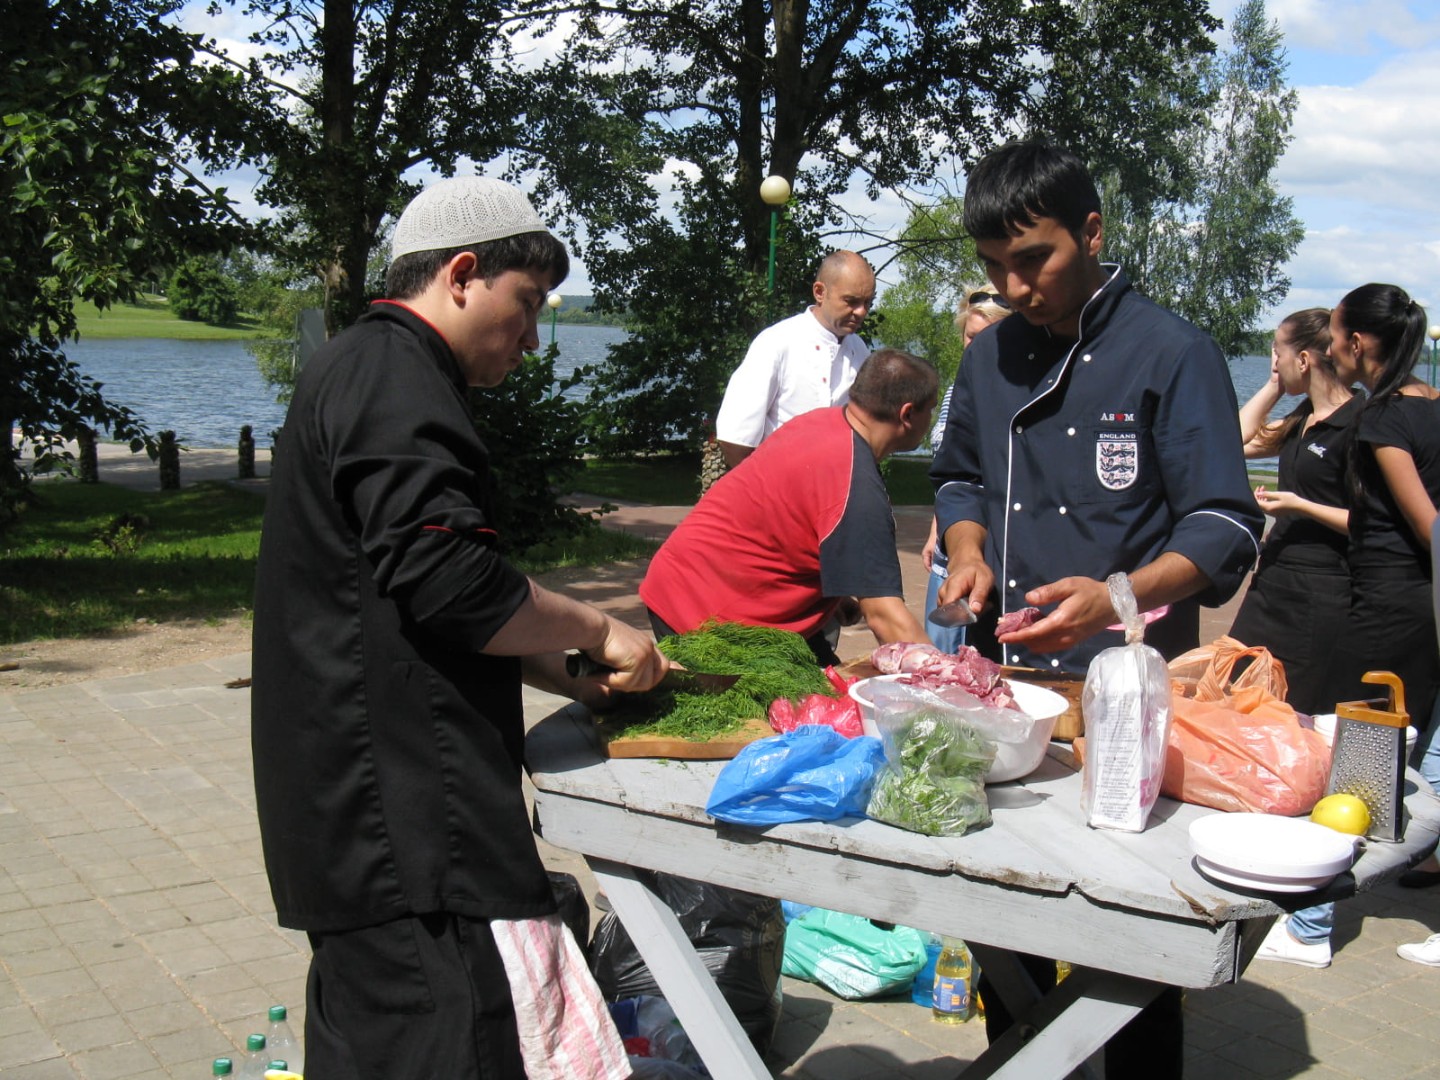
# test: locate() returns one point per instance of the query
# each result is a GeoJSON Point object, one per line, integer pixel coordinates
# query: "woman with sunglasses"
{"type": "Point", "coordinates": [979, 309]}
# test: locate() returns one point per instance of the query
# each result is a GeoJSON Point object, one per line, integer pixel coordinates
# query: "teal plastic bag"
{"type": "Point", "coordinates": [851, 956]}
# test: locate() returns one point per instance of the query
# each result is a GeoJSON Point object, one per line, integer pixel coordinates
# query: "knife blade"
{"type": "Point", "coordinates": [956, 613]}
{"type": "Point", "coordinates": [578, 665]}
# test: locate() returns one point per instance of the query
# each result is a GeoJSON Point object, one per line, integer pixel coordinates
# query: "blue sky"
{"type": "Point", "coordinates": [1362, 166]}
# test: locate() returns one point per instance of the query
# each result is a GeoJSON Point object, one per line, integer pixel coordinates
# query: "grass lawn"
{"type": "Point", "coordinates": [151, 318]}
{"type": "Point", "coordinates": [674, 480]}
{"type": "Point", "coordinates": [87, 558]}
{"type": "Point", "coordinates": [185, 554]}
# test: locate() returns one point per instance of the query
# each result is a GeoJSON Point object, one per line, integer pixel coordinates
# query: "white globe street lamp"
{"type": "Point", "coordinates": [775, 191]}
{"type": "Point", "coordinates": [554, 300]}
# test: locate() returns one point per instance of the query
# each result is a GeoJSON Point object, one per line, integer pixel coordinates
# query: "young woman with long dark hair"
{"type": "Point", "coordinates": [1394, 488]}
{"type": "Point", "coordinates": [1299, 598]}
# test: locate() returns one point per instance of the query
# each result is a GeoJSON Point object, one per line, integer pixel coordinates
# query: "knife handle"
{"type": "Point", "coordinates": [579, 666]}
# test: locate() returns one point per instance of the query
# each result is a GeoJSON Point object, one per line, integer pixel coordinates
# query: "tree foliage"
{"type": "Point", "coordinates": [937, 262]}
{"type": "Point", "coordinates": [200, 291]}
{"type": "Point", "coordinates": [361, 92]}
{"type": "Point", "coordinates": [531, 430]}
{"type": "Point", "coordinates": [101, 105]}
{"type": "Point", "coordinates": [1214, 249]}
{"type": "Point", "coordinates": [832, 95]}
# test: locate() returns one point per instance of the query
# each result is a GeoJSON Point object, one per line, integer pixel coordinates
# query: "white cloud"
{"type": "Point", "coordinates": [1331, 262]}
{"type": "Point", "coordinates": [1377, 141]}
{"type": "Point", "coordinates": [1361, 170]}
{"type": "Point", "coordinates": [1355, 25]}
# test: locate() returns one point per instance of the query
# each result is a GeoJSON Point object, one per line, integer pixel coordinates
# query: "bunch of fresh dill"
{"type": "Point", "coordinates": [771, 663]}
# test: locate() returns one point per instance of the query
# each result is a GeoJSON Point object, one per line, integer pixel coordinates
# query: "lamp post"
{"type": "Point", "coordinates": [1434, 345]}
{"type": "Point", "coordinates": [554, 300]}
{"type": "Point", "coordinates": [775, 191]}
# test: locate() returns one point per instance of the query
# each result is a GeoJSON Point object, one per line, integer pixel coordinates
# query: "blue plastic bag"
{"type": "Point", "coordinates": [812, 773]}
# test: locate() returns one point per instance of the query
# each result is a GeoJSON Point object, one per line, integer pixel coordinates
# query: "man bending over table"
{"type": "Point", "coordinates": [803, 526]}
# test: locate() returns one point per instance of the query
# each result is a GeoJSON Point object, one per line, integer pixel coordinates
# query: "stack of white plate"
{"type": "Point", "coordinates": [1269, 853]}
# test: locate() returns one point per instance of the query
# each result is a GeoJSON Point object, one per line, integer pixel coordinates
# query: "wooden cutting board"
{"type": "Point", "coordinates": [721, 747]}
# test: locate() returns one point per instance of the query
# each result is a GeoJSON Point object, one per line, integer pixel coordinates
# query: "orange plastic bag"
{"type": "Point", "coordinates": [1235, 744]}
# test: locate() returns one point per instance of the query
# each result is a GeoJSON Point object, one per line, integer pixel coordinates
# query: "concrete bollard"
{"type": "Point", "coordinates": [247, 453]}
{"type": "Point", "coordinates": [169, 462]}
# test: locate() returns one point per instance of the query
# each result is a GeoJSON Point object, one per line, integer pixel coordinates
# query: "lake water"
{"type": "Point", "coordinates": [205, 390]}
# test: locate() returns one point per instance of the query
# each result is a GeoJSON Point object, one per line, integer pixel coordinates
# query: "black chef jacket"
{"type": "Point", "coordinates": [1095, 457]}
{"type": "Point", "coordinates": [387, 749]}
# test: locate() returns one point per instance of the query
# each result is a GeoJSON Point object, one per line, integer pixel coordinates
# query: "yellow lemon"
{"type": "Point", "coordinates": [1343, 813]}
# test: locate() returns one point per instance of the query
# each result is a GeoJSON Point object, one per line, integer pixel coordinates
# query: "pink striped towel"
{"type": "Point", "coordinates": [565, 1029]}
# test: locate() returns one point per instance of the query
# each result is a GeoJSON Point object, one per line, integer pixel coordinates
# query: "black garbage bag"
{"type": "Point", "coordinates": [740, 937]}
{"type": "Point", "coordinates": [574, 910]}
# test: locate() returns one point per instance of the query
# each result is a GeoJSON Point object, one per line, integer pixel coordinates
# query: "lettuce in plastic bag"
{"type": "Point", "coordinates": [937, 786]}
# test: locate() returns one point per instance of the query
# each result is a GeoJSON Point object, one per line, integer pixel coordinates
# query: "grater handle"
{"type": "Point", "coordinates": [1397, 691]}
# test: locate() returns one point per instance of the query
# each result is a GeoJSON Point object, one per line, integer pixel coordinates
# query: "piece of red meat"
{"type": "Point", "coordinates": [1016, 620]}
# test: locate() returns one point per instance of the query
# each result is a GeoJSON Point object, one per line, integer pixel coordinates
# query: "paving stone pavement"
{"type": "Point", "coordinates": [138, 940]}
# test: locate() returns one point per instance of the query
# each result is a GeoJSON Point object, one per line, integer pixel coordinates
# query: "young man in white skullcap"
{"type": "Point", "coordinates": [390, 644]}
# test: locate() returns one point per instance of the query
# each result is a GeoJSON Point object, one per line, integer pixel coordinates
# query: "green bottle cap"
{"type": "Point", "coordinates": [254, 1043]}
{"type": "Point", "coordinates": [221, 1067]}
{"type": "Point", "coordinates": [283, 1066]}
{"type": "Point", "coordinates": [277, 1013]}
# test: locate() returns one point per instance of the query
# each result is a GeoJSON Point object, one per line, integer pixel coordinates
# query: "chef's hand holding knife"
{"type": "Point", "coordinates": [637, 664]}
{"type": "Point", "coordinates": [968, 575]}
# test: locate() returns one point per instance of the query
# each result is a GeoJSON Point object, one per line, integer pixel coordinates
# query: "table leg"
{"type": "Point", "coordinates": [686, 983]}
{"type": "Point", "coordinates": [1055, 1034]}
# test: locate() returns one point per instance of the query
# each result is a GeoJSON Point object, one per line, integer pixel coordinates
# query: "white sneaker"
{"type": "Point", "coordinates": [1422, 952]}
{"type": "Point", "coordinates": [1279, 945]}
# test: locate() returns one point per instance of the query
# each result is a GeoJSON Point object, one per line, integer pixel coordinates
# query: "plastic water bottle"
{"type": "Point", "coordinates": [222, 1066]}
{"type": "Point", "coordinates": [282, 1042]}
{"type": "Point", "coordinates": [953, 978]}
{"type": "Point", "coordinates": [922, 990]}
{"type": "Point", "coordinates": [256, 1058]}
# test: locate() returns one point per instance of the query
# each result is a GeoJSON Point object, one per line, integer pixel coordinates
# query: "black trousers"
{"type": "Point", "coordinates": [1150, 1047]}
{"type": "Point", "coordinates": [419, 998]}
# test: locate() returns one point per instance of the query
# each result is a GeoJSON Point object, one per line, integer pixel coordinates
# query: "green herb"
{"type": "Point", "coordinates": [771, 663]}
{"type": "Point", "coordinates": [939, 787]}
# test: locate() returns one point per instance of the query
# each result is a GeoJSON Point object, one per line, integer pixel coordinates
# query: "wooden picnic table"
{"type": "Point", "coordinates": [1129, 911]}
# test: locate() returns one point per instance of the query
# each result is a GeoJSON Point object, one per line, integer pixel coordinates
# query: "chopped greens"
{"type": "Point", "coordinates": [939, 787]}
{"type": "Point", "coordinates": [772, 664]}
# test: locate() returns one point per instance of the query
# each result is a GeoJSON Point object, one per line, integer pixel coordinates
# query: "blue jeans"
{"type": "Point", "coordinates": [1430, 762]}
{"type": "Point", "coordinates": [946, 638]}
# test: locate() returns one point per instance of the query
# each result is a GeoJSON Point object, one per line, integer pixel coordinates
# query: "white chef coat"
{"type": "Point", "coordinates": [791, 368]}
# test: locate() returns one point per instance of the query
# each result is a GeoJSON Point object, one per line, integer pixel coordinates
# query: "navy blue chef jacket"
{"type": "Point", "coordinates": [387, 749]}
{"type": "Point", "coordinates": [1096, 456]}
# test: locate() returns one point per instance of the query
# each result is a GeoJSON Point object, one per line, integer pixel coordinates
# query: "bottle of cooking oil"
{"type": "Point", "coordinates": [953, 983]}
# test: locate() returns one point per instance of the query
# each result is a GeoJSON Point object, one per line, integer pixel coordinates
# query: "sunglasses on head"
{"type": "Point", "coordinates": [987, 298]}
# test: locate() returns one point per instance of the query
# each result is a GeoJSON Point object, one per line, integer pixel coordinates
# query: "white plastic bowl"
{"type": "Point", "coordinates": [1012, 760]}
{"type": "Point", "coordinates": [1325, 725]}
{"type": "Point", "coordinates": [1272, 847]}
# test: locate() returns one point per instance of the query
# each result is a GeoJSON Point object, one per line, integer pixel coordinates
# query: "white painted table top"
{"type": "Point", "coordinates": [1037, 879]}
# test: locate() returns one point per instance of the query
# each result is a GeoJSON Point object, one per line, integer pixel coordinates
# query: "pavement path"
{"type": "Point", "coordinates": [138, 939]}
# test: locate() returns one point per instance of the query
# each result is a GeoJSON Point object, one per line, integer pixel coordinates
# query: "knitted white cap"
{"type": "Point", "coordinates": [461, 211]}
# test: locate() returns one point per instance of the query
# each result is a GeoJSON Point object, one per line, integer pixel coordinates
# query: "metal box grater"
{"type": "Point", "coordinates": [1369, 759]}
